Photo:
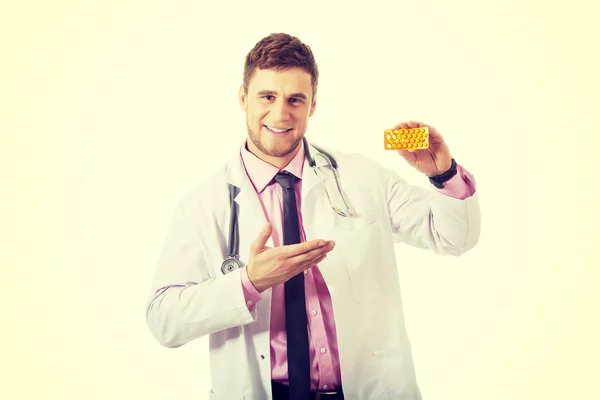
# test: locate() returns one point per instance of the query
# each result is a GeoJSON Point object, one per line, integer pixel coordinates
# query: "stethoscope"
{"type": "Point", "coordinates": [232, 262]}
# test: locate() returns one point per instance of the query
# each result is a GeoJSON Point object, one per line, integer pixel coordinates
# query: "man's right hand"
{"type": "Point", "coordinates": [268, 267]}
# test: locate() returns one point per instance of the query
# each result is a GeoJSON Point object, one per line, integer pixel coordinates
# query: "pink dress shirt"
{"type": "Point", "coordinates": [324, 358]}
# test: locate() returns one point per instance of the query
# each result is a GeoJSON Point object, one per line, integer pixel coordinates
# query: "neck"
{"type": "Point", "coordinates": [277, 162]}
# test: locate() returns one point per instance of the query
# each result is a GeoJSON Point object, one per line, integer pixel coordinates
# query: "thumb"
{"type": "Point", "coordinates": [260, 242]}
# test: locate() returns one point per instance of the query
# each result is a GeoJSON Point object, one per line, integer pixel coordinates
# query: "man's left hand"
{"type": "Point", "coordinates": [435, 159]}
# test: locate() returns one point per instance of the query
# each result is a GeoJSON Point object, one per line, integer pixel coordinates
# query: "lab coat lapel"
{"type": "Point", "coordinates": [309, 178]}
{"type": "Point", "coordinates": [314, 198]}
{"type": "Point", "coordinates": [318, 214]}
{"type": "Point", "coordinates": [320, 221]}
{"type": "Point", "coordinates": [251, 217]}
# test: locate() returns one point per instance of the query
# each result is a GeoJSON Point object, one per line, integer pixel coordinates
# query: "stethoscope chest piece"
{"type": "Point", "coordinates": [230, 264]}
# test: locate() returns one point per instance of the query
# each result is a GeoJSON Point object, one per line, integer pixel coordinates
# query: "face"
{"type": "Point", "coordinates": [278, 105]}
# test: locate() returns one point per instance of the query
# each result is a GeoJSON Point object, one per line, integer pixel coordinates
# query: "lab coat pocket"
{"type": "Point", "coordinates": [394, 372]}
{"type": "Point", "coordinates": [388, 351]}
{"type": "Point", "coordinates": [358, 248]}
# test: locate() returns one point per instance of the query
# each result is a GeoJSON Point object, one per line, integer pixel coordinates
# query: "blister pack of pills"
{"type": "Point", "coordinates": [406, 138]}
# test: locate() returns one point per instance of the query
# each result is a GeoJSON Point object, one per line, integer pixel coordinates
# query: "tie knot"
{"type": "Point", "coordinates": [285, 180]}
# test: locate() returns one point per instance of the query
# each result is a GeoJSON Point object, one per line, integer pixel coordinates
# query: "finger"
{"type": "Point", "coordinates": [412, 124]}
{"type": "Point", "coordinates": [261, 241]}
{"type": "Point", "coordinates": [309, 263]}
{"type": "Point", "coordinates": [312, 263]}
{"type": "Point", "coordinates": [415, 124]}
{"type": "Point", "coordinates": [312, 254]}
{"type": "Point", "coordinates": [290, 251]}
{"type": "Point", "coordinates": [408, 155]}
{"type": "Point", "coordinates": [301, 260]}
{"type": "Point", "coordinates": [318, 260]}
{"type": "Point", "coordinates": [435, 136]}
{"type": "Point", "coordinates": [401, 125]}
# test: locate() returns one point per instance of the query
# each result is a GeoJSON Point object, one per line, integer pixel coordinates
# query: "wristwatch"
{"type": "Point", "coordinates": [439, 180]}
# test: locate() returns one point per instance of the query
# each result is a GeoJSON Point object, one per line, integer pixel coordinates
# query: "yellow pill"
{"type": "Point", "coordinates": [406, 138]}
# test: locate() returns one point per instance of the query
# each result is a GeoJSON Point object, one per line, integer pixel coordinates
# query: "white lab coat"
{"type": "Point", "coordinates": [191, 298]}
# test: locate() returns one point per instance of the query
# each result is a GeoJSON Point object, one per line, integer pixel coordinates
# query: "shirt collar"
{"type": "Point", "coordinates": [262, 173]}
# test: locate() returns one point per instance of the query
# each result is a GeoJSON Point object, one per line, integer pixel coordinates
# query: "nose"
{"type": "Point", "coordinates": [280, 111]}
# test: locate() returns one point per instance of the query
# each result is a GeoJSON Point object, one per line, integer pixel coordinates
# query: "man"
{"type": "Point", "coordinates": [315, 309]}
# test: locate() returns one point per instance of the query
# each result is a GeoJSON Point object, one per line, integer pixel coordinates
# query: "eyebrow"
{"type": "Point", "coordinates": [272, 93]}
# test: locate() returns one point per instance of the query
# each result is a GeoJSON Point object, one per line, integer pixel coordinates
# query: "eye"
{"type": "Point", "coordinates": [296, 100]}
{"type": "Point", "coordinates": [267, 97]}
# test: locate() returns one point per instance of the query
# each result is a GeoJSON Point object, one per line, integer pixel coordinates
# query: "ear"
{"type": "Point", "coordinates": [313, 106]}
{"type": "Point", "coordinates": [242, 97]}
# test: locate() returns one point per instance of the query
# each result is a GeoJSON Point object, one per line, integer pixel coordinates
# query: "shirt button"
{"type": "Point", "coordinates": [249, 302]}
{"type": "Point", "coordinates": [313, 312]}
{"type": "Point", "coordinates": [322, 350]}
{"type": "Point", "coordinates": [305, 271]}
{"type": "Point", "coordinates": [325, 387]}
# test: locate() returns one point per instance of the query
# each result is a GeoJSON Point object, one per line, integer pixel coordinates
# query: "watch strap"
{"type": "Point", "coordinates": [439, 180]}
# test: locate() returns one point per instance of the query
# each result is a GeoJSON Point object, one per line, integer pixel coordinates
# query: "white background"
{"type": "Point", "coordinates": [112, 110]}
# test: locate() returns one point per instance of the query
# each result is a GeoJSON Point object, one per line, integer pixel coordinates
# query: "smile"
{"type": "Point", "coordinates": [277, 130]}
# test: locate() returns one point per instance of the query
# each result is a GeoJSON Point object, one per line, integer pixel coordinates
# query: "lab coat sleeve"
{"type": "Point", "coordinates": [186, 302]}
{"type": "Point", "coordinates": [427, 218]}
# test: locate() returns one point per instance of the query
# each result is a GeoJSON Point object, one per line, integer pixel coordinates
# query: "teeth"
{"type": "Point", "coordinates": [277, 130]}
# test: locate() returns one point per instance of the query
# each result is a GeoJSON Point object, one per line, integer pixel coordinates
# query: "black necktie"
{"type": "Point", "coordinates": [295, 306]}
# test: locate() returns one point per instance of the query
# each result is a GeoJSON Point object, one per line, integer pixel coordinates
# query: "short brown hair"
{"type": "Point", "coordinates": [281, 51]}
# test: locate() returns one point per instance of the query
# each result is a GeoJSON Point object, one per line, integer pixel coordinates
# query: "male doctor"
{"type": "Point", "coordinates": [315, 311]}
